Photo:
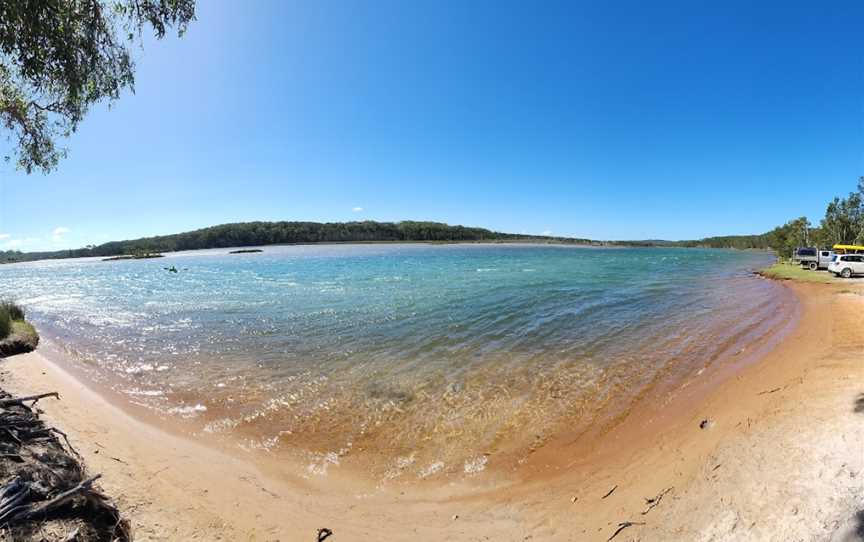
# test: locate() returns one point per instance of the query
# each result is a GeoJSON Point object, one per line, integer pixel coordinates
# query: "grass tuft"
{"type": "Point", "coordinates": [14, 311]}
{"type": "Point", "coordinates": [25, 332]}
{"type": "Point", "coordinates": [9, 313]}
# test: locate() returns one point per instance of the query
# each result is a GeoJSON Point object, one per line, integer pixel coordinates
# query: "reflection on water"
{"type": "Point", "coordinates": [414, 360]}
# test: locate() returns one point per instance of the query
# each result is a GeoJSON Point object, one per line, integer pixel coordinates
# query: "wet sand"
{"type": "Point", "coordinates": [780, 457]}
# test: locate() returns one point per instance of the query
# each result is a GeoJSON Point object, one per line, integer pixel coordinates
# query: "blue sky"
{"type": "Point", "coordinates": [608, 120]}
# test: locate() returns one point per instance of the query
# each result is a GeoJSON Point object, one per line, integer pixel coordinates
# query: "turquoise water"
{"type": "Point", "coordinates": [415, 357]}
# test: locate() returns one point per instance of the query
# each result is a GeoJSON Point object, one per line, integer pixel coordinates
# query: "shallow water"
{"type": "Point", "coordinates": [419, 361]}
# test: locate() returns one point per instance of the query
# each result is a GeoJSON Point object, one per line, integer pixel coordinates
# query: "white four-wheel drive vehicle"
{"type": "Point", "coordinates": [847, 265]}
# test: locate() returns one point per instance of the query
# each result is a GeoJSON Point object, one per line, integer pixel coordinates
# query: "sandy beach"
{"type": "Point", "coordinates": [767, 449]}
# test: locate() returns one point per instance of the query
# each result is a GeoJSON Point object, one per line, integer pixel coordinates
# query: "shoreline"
{"type": "Point", "coordinates": [226, 494]}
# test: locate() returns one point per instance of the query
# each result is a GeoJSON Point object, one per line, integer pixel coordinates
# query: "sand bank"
{"type": "Point", "coordinates": [779, 457]}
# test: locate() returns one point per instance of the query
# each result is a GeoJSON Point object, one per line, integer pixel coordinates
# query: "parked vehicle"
{"type": "Point", "coordinates": [813, 258]}
{"type": "Point", "coordinates": [823, 260]}
{"type": "Point", "coordinates": [805, 255]}
{"type": "Point", "coordinates": [847, 265]}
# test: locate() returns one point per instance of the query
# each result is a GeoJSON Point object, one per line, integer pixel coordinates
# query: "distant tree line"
{"type": "Point", "coordinates": [741, 242]}
{"type": "Point", "coordinates": [273, 233]}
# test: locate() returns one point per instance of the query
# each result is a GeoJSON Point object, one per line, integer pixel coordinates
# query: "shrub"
{"type": "Point", "coordinates": [5, 323]}
{"type": "Point", "coordinates": [14, 311]}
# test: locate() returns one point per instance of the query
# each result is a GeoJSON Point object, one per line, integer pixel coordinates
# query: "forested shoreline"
{"type": "Point", "coordinates": [844, 223]}
{"type": "Point", "coordinates": [246, 234]}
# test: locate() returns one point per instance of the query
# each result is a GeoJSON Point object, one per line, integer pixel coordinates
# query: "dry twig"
{"type": "Point", "coordinates": [21, 400]}
{"type": "Point", "coordinates": [654, 501]}
{"type": "Point", "coordinates": [622, 526]}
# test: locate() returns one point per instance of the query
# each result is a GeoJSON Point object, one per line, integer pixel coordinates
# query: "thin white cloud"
{"type": "Point", "coordinates": [357, 209]}
{"type": "Point", "coordinates": [58, 233]}
{"type": "Point", "coordinates": [4, 236]}
{"type": "Point", "coordinates": [547, 233]}
{"type": "Point", "coordinates": [18, 243]}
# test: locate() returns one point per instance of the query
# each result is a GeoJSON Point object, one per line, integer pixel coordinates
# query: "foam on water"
{"type": "Point", "coordinates": [374, 354]}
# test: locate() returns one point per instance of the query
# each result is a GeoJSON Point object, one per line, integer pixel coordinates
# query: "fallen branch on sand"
{"type": "Point", "coordinates": [22, 400]}
{"type": "Point", "coordinates": [622, 526]}
{"type": "Point", "coordinates": [611, 491]}
{"type": "Point", "coordinates": [654, 501]}
{"type": "Point", "coordinates": [324, 534]}
{"type": "Point", "coordinates": [769, 391]}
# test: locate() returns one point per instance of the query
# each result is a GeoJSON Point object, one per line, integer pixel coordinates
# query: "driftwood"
{"type": "Point", "coordinates": [654, 501]}
{"type": "Point", "coordinates": [769, 391]}
{"type": "Point", "coordinates": [66, 438]}
{"type": "Point", "coordinates": [22, 400]}
{"type": "Point", "coordinates": [622, 526]}
{"type": "Point", "coordinates": [17, 491]}
{"type": "Point", "coordinates": [611, 491]}
{"type": "Point", "coordinates": [324, 534]}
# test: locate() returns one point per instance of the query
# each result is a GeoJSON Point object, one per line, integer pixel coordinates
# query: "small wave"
{"type": "Point", "coordinates": [431, 469]}
{"type": "Point", "coordinates": [394, 278]}
{"type": "Point", "coordinates": [402, 463]}
{"type": "Point", "coordinates": [145, 393]}
{"type": "Point", "coordinates": [322, 463]}
{"type": "Point", "coordinates": [476, 465]}
{"type": "Point", "coordinates": [188, 411]}
{"type": "Point", "coordinates": [138, 369]}
{"type": "Point", "coordinates": [221, 426]}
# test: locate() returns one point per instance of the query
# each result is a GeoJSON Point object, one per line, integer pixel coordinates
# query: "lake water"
{"type": "Point", "coordinates": [418, 361]}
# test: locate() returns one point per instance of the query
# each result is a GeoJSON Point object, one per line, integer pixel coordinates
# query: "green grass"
{"type": "Point", "coordinates": [788, 271]}
{"type": "Point", "coordinates": [5, 324]}
{"type": "Point", "coordinates": [10, 315]}
{"type": "Point", "coordinates": [14, 311]}
{"type": "Point", "coordinates": [25, 331]}
{"type": "Point", "coordinates": [16, 334]}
